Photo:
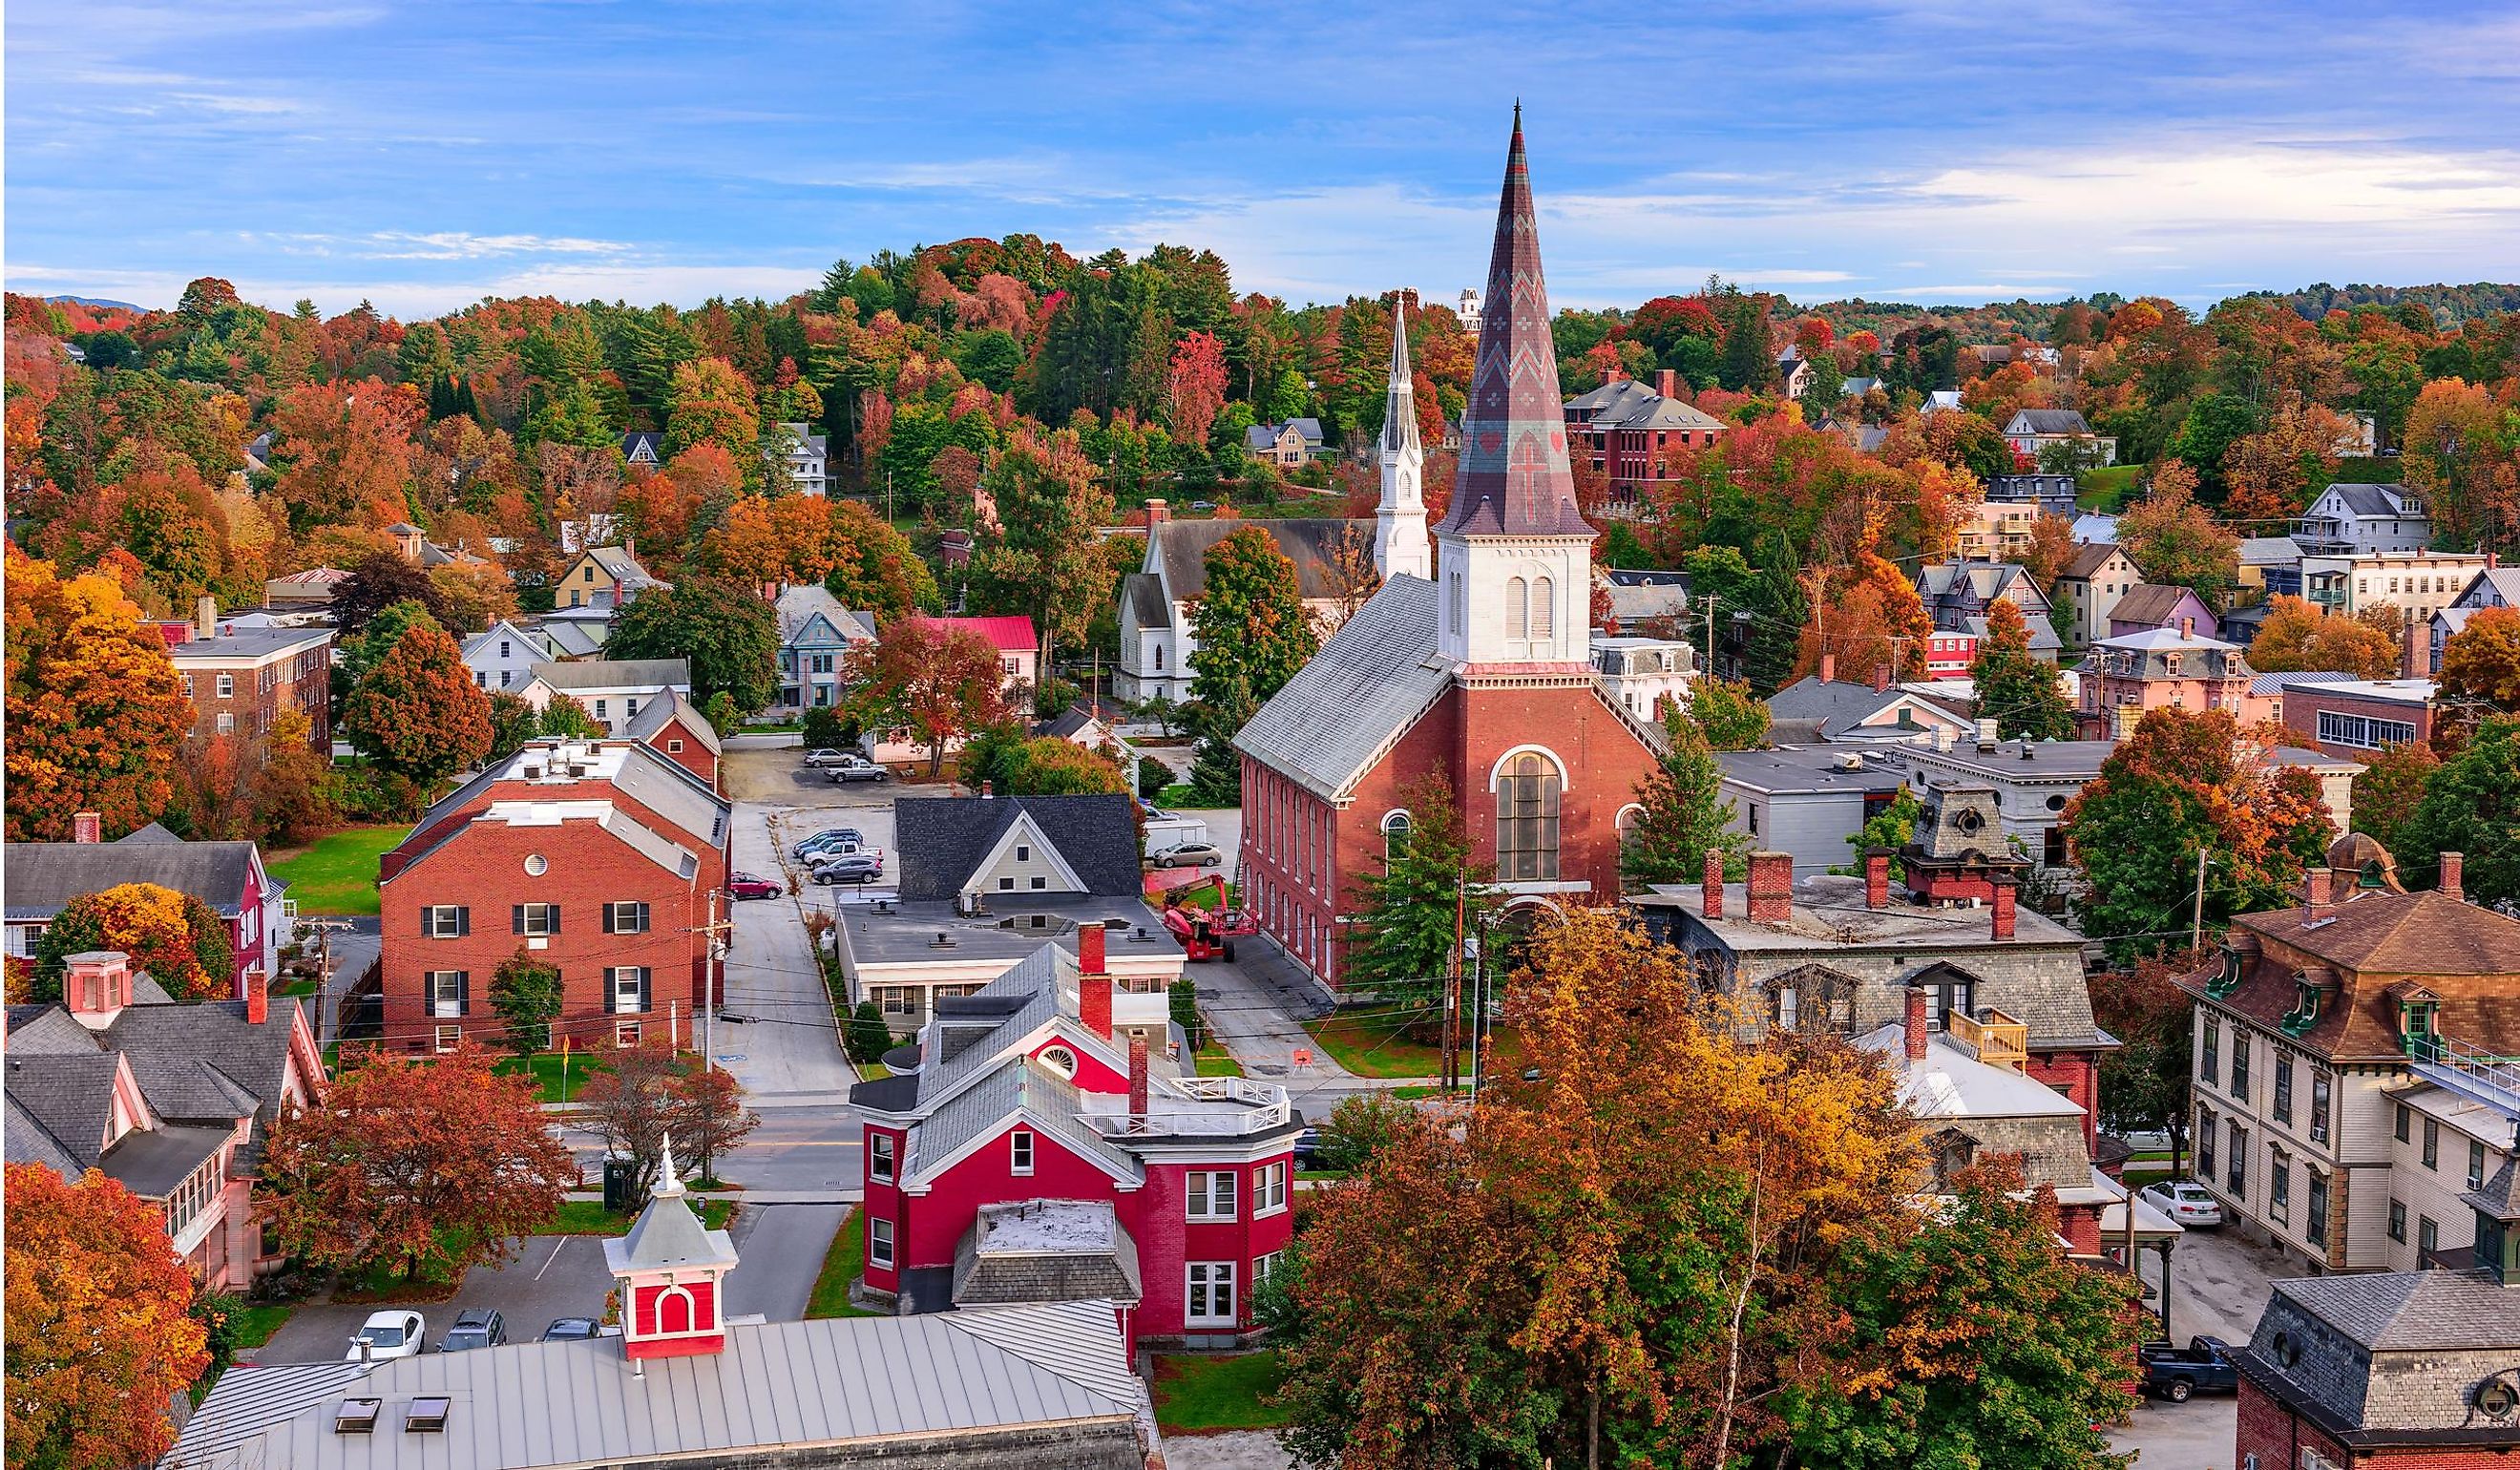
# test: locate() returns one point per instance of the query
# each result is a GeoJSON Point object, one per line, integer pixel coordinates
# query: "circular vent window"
{"type": "Point", "coordinates": [2497, 1399]}
{"type": "Point", "coordinates": [1059, 1060]}
{"type": "Point", "coordinates": [1968, 820]}
{"type": "Point", "coordinates": [2287, 1351]}
{"type": "Point", "coordinates": [536, 865]}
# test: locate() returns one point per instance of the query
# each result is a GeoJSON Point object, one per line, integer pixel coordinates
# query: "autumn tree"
{"type": "Point", "coordinates": [513, 721]}
{"type": "Point", "coordinates": [2144, 1085]}
{"type": "Point", "coordinates": [710, 403]}
{"type": "Point", "coordinates": [344, 453]}
{"type": "Point", "coordinates": [1048, 560]}
{"type": "Point", "coordinates": [729, 636]}
{"type": "Point", "coordinates": [429, 1163]}
{"type": "Point", "coordinates": [2268, 475]}
{"type": "Point", "coordinates": [2462, 460]}
{"type": "Point", "coordinates": [1195, 388]}
{"type": "Point", "coordinates": [2480, 667]}
{"type": "Point", "coordinates": [2389, 788]}
{"type": "Point", "coordinates": [1728, 714]}
{"type": "Point", "coordinates": [101, 1338]}
{"type": "Point", "coordinates": [2299, 636]}
{"type": "Point", "coordinates": [2017, 690]}
{"type": "Point", "coordinates": [2176, 541]}
{"type": "Point", "coordinates": [377, 582]}
{"type": "Point", "coordinates": [1403, 941]}
{"type": "Point", "coordinates": [2466, 807]}
{"type": "Point", "coordinates": [654, 1095]}
{"type": "Point", "coordinates": [295, 800]}
{"type": "Point", "coordinates": [938, 680]}
{"type": "Point", "coordinates": [2188, 782]}
{"type": "Point", "coordinates": [177, 939]}
{"type": "Point", "coordinates": [1684, 814]}
{"type": "Point", "coordinates": [418, 712]}
{"type": "Point", "coordinates": [1876, 620]}
{"type": "Point", "coordinates": [525, 993]}
{"type": "Point", "coordinates": [1048, 766]}
{"type": "Point", "coordinates": [873, 567]}
{"type": "Point", "coordinates": [95, 708]}
{"type": "Point", "coordinates": [1250, 622]}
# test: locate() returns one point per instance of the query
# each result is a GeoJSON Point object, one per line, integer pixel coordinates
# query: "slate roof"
{"type": "Point", "coordinates": [68, 1095]}
{"type": "Point", "coordinates": [2362, 499]}
{"type": "Point", "coordinates": [2088, 559]}
{"type": "Point", "coordinates": [40, 879]}
{"type": "Point", "coordinates": [2461, 952]}
{"type": "Point", "coordinates": [657, 714]}
{"type": "Point", "coordinates": [2050, 422]}
{"type": "Point", "coordinates": [2269, 551]}
{"type": "Point", "coordinates": [2413, 1310]}
{"type": "Point", "coordinates": [940, 839]}
{"type": "Point", "coordinates": [1015, 1087]}
{"type": "Point", "coordinates": [615, 674]}
{"type": "Point", "coordinates": [653, 442]}
{"type": "Point", "coordinates": [799, 605]}
{"type": "Point", "coordinates": [1373, 680]}
{"type": "Point", "coordinates": [28, 1141]}
{"type": "Point", "coordinates": [780, 1394]}
{"type": "Point", "coordinates": [1143, 595]}
{"type": "Point", "coordinates": [1311, 544]}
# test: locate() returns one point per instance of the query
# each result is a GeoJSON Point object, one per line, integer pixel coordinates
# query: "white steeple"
{"type": "Point", "coordinates": [1400, 519]}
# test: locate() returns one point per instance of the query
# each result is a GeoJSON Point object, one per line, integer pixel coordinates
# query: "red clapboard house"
{"type": "Point", "coordinates": [1025, 1156]}
{"type": "Point", "coordinates": [604, 858]}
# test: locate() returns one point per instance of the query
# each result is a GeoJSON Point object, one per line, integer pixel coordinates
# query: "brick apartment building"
{"type": "Point", "coordinates": [241, 678]}
{"type": "Point", "coordinates": [603, 857]}
{"type": "Point", "coordinates": [2356, 717]}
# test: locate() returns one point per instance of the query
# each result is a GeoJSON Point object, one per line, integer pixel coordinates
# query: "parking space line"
{"type": "Point", "coordinates": [553, 1256]}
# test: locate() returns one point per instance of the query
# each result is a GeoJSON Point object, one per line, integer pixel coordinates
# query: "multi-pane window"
{"type": "Point", "coordinates": [2278, 1185]}
{"type": "Point", "coordinates": [2283, 1090]}
{"type": "Point", "coordinates": [227, 685]}
{"type": "Point", "coordinates": [625, 987]}
{"type": "Point", "coordinates": [450, 993]}
{"type": "Point", "coordinates": [1527, 795]}
{"type": "Point", "coordinates": [1211, 1195]}
{"type": "Point", "coordinates": [2209, 1064]}
{"type": "Point", "coordinates": [2362, 730]}
{"type": "Point", "coordinates": [2236, 1180]}
{"type": "Point", "coordinates": [1396, 828]}
{"type": "Point", "coordinates": [2398, 1220]}
{"type": "Point", "coordinates": [1020, 1151]}
{"type": "Point", "coordinates": [2321, 1096]}
{"type": "Point", "coordinates": [2475, 1165]}
{"type": "Point", "coordinates": [2427, 1236]}
{"type": "Point", "coordinates": [625, 918]}
{"type": "Point", "coordinates": [1265, 1266]}
{"type": "Point", "coordinates": [2240, 1065]}
{"type": "Point", "coordinates": [880, 1243]}
{"type": "Point", "coordinates": [1208, 1301]}
{"type": "Point", "coordinates": [2432, 1145]}
{"type": "Point", "coordinates": [879, 1157]}
{"type": "Point", "coordinates": [2315, 1230]}
{"type": "Point", "coordinates": [447, 922]}
{"type": "Point", "coordinates": [536, 920]}
{"type": "Point", "coordinates": [2405, 1121]}
{"type": "Point", "coordinates": [2205, 1142]}
{"type": "Point", "coordinates": [1269, 1189]}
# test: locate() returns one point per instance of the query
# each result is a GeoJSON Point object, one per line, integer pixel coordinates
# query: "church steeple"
{"type": "Point", "coordinates": [1400, 519]}
{"type": "Point", "coordinates": [1517, 552]}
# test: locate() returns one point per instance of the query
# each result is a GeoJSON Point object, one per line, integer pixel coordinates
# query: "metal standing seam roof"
{"type": "Point", "coordinates": [1368, 684]}
{"type": "Point", "coordinates": [614, 674]}
{"type": "Point", "coordinates": [778, 1386]}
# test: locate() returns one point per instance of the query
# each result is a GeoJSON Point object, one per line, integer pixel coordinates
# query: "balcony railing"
{"type": "Point", "coordinates": [1999, 1039]}
{"type": "Point", "coordinates": [2472, 1072]}
{"type": "Point", "coordinates": [1250, 1107]}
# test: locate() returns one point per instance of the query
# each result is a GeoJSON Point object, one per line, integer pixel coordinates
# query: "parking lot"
{"type": "Point", "coordinates": [2217, 1287]}
{"type": "Point", "coordinates": [551, 1276]}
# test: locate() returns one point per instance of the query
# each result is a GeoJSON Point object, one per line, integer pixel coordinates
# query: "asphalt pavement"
{"type": "Point", "coordinates": [551, 1277]}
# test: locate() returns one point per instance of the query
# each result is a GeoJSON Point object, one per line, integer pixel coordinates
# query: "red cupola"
{"type": "Point", "coordinates": [673, 1274]}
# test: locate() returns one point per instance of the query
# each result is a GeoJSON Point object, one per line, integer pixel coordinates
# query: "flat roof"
{"type": "Point", "coordinates": [1809, 768]}
{"type": "Point", "coordinates": [2385, 691]}
{"type": "Point", "coordinates": [905, 933]}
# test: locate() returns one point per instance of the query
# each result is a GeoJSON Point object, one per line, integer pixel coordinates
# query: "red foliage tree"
{"type": "Point", "coordinates": [95, 710]}
{"type": "Point", "coordinates": [1194, 389]}
{"type": "Point", "coordinates": [939, 680]}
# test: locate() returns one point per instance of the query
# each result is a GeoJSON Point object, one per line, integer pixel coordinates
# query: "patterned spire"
{"type": "Point", "coordinates": [1400, 399]}
{"type": "Point", "coordinates": [1513, 478]}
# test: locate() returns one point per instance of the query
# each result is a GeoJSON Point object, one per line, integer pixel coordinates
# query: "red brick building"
{"type": "Point", "coordinates": [674, 727]}
{"type": "Point", "coordinates": [2356, 717]}
{"type": "Point", "coordinates": [1019, 1154]}
{"type": "Point", "coordinates": [241, 678]}
{"type": "Point", "coordinates": [604, 858]}
{"type": "Point", "coordinates": [1484, 674]}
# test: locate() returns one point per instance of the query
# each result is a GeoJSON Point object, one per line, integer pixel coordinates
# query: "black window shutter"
{"type": "Point", "coordinates": [520, 917]}
{"type": "Point", "coordinates": [611, 1004]}
{"type": "Point", "coordinates": [463, 993]}
{"type": "Point", "coordinates": [553, 911]}
{"type": "Point", "coordinates": [643, 1003]}
{"type": "Point", "coordinates": [426, 915]}
{"type": "Point", "coordinates": [642, 928]}
{"type": "Point", "coordinates": [608, 919]}
{"type": "Point", "coordinates": [463, 919]}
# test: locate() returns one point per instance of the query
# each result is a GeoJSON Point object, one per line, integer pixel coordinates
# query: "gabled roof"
{"type": "Point", "coordinates": [798, 606]}
{"type": "Point", "coordinates": [1006, 635]}
{"type": "Point", "coordinates": [2269, 551]}
{"type": "Point", "coordinates": [40, 879]}
{"type": "Point", "coordinates": [2048, 421]}
{"type": "Point", "coordinates": [657, 714]}
{"type": "Point", "coordinates": [2090, 557]}
{"type": "Point", "coordinates": [1313, 544]}
{"type": "Point", "coordinates": [1015, 1089]}
{"type": "Point", "coordinates": [70, 1095]}
{"type": "Point", "coordinates": [941, 841]}
{"type": "Point", "coordinates": [1143, 595]}
{"type": "Point", "coordinates": [1373, 680]}
{"type": "Point", "coordinates": [2153, 603]}
{"type": "Point", "coordinates": [614, 674]}
{"type": "Point", "coordinates": [2414, 1311]}
{"type": "Point", "coordinates": [623, 567]}
{"type": "Point", "coordinates": [481, 643]}
{"type": "Point", "coordinates": [2361, 498]}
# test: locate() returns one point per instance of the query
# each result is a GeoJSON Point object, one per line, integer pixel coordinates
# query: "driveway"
{"type": "Point", "coordinates": [2218, 1287]}
{"type": "Point", "coordinates": [786, 1044]}
{"type": "Point", "coordinates": [551, 1277]}
{"type": "Point", "coordinates": [780, 1249]}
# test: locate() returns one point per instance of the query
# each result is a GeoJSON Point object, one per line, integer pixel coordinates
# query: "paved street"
{"type": "Point", "coordinates": [788, 1046]}
{"type": "Point", "coordinates": [2217, 1287]}
{"type": "Point", "coordinates": [782, 1248]}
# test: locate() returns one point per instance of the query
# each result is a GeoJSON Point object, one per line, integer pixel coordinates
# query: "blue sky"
{"type": "Point", "coordinates": [423, 155]}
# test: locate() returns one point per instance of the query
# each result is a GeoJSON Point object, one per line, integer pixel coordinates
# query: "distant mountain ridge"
{"type": "Point", "coordinates": [104, 302]}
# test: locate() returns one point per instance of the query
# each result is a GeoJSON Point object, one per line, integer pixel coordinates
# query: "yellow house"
{"type": "Point", "coordinates": [602, 576]}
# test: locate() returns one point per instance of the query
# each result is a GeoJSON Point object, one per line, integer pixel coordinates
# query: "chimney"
{"type": "Point", "coordinates": [1157, 513]}
{"type": "Point", "coordinates": [988, 791]}
{"type": "Point", "coordinates": [1667, 382]}
{"type": "Point", "coordinates": [1610, 376]}
{"type": "Point", "coordinates": [257, 997]}
{"type": "Point", "coordinates": [2002, 906]}
{"type": "Point", "coordinates": [1711, 889]}
{"type": "Point", "coordinates": [1828, 668]}
{"type": "Point", "coordinates": [1137, 1074]}
{"type": "Point", "coordinates": [2451, 863]}
{"type": "Point", "coordinates": [88, 828]}
{"type": "Point", "coordinates": [96, 985]}
{"type": "Point", "coordinates": [206, 616]}
{"type": "Point", "coordinates": [1876, 877]}
{"type": "Point", "coordinates": [1093, 982]}
{"type": "Point", "coordinates": [2418, 660]}
{"type": "Point", "coordinates": [1916, 1023]}
{"type": "Point", "coordinates": [2317, 890]}
{"type": "Point", "coordinates": [2187, 627]}
{"type": "Point", "coordinates": [1772, 887]}
{"type": "Point", "coordinates": [1880, 679]}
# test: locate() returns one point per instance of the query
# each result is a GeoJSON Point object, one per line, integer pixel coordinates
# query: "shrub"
{"type": "Point", "coordinates": [1359, 1125]}
{"type": "Point", "coordinates": [1185, 1005]}
{"type": "Point", "coordinates": [868, 1035]}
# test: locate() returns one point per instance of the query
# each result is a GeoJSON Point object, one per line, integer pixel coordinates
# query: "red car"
{"type": "Point", "coordinates": [745, 886]}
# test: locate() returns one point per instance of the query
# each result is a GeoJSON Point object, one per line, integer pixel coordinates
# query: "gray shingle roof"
{"type": "Point", "coordinates": [1841, 703]}
{"type": "Point", "coordinates": [2364, 499]}
{"type": "Point", "coordinates": [2413, 1310]}
{"type": "Point", "coordinates": [28, 1141]}
{"type": "Point", "coordinates": [161, 1038]}
{"type": "Point", "coordinates": [655, 714]}
{"type": "Point", "coordinates": [799, 605]}
{"type": "Point", "coordinates": [2152, 604]}
{"type": "Point", "coordinates": [42, 877]}
{"type": "Point", "coordinates": [152, 1162]}
{"type": "Point", "coordinates": [1367, 686]}
{"type": "Point", "coordinates": [2050, 422]}
{"type": "Point", "coordinates": [1015, 1087]}
{"type": "Point", "coordinates": [2269, 551]}
{"type": "Point", "coordinates": [780, 1394]}
{"type": "Point", "coordinates": [1144, 592]}
{"type": "Point", "coordinates": [616, 674]}
{"type": "Point", "coordinates": [941, 839]}
{"type": "Point", "coordinates": [624, 568]}
{"type": "Point", "coordinates": [71, 1097]}
{"type": "Point", "coordinates": [1311, 544]}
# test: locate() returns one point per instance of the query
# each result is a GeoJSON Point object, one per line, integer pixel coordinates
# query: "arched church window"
{"type": "Point", "coordinates": [1517, 608]}
{"type": "Point", "coordinates": [1159, 658]}
{"type": "Point", "coordinates": [1544, 608]}
{"type": "Point", "coordinates": [1527, 797]}
{"type": "Point", "coordinates": [1396, 828]}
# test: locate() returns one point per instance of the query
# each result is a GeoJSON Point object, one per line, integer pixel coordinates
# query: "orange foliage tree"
{"type": "Point", "coordinates": [2300, 637]}
{"type": "Point", "coordinates": [940, 682]}
{"type": "Point", "coordinates": [173, 936]}
{"type": "Point", "coordinates": [1874, 619]}
{"type": "Point", "coordinates": [418, 712]}
{"type": "Point", "coordinates": [2481, 663]}
{"type": "Point", "coordinates": [95, 710]}
{"type": "Point", "coordinates": [101, 1336]}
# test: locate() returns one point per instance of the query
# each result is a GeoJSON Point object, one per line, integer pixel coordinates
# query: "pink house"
{"type": "Point", "coordinates": [1018, 646]}
{"type": "Point", "coordinates": [1023, 1155]}
{"type": "Point", "coordinates": [2150, 604]}
{"type": "Point", "coordinates": [2166, 667]}
{"type": "Point", "coordinates": [43, 878]}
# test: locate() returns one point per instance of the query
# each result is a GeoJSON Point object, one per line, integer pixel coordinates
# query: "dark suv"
{"type": "Point", "coordinates": [475, 1328]}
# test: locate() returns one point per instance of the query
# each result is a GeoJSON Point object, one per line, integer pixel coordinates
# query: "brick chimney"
{"type": "Point", "coordinates": [1916, 1023]}
{"type": "Point", "coordinates": [2187, 627]}
{"type": "Point", "coordinates": [1667, 382]}
{"type": "Point", "coordinates": [1876, 877]}
{"type": "Point", "coordinates": [2316, 891]}
{"type": "Point", "coordinates": [1137, 1074]}
{"type": "Point", "coordinates": [206, 616]}
{"type": "Point", "coordinates": [1772, 887]}
{"type": "Point", "coordinates": [988, 791]}
{"type": "Point", "coordinates": [258, 996]}
{"type": "Point", "coordinates": [96, 985]}
{"type": "Point", "coordinates": [1610, 376]}
{"type": "Point", "coordinates": [87, 826]}
{"type": "Point", "coordinates": [1828, 668]}
{"type": "Point", "coordinates": [2418, 660]}
{"type": "Point", "coordinates": [1880, 679]}
{"type": "Point", "coordinates": [1093, 982]}
{"type": "Point", "coordinates": [1157, 513]}
{"type": "Point", "coordinates": [1711, 886]}
{"type": "Point", "coordinates": [2004, 884]}
{"type": "Point", "coordinates": [2450, 866]}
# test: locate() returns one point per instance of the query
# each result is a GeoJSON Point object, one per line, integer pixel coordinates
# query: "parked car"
{"type": "Point", "coordinates": [850, 868]}
{"type": "Point", "coordinates": [1307, 1147]}
{"type": "Point", "coordinates": [474, 1327]}
{"type": "Point", "coordinates": [745, 885]}
{"type": "Point", "coordinates": [2203, 1366]}
{"type": "Point", "coordinates": [856, 768]}
{"type": "Point", "coordinates": [826, 756]}
{"type": "Point", "coordinates": [1187, 855]}
{"type": "Point", "coordinates": [388, 1334]}
{"type": "Point", "coordinates": [2185, 1201]}
{"type": "Point", "coordinates": [828, 837]}
{"type": "Point", "coordinates": [570, 1329]}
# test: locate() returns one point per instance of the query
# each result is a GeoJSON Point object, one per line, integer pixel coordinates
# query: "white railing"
{"type": "Point", "coordinates": [1254, 1107]}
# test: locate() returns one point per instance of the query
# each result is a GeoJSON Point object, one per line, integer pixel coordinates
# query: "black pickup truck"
{"type": "Point", "coordinates": [2203, 1366]}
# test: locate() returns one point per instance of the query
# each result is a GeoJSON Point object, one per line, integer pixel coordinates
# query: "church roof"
{"type": "Point", "coordinates": [1513, 478]}
{"type": "Point", "coordinates": [1327, 726]}
{"type": "Point", "coordinates": [1312, 544]}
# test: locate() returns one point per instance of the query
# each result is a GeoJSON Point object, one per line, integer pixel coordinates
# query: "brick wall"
{"type": "Point", "coordinates": [2303, 703]}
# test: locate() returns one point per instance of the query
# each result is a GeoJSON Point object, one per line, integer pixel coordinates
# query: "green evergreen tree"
{"type": "Point", "coordinates": [1433, 888]}
{"type": "Point", "coordinates": [868, 1035]}
{"type": "Point", "coordinates": [1216, 769]}
{"type": "Point", "coordinates": [2020, 693]}
{"type": "Point", "coordinates": [1251, 623]}
{"type": "Point", "coordinates": [1685, 816]}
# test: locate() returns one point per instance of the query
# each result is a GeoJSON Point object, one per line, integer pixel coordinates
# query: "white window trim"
{"type": "Point", "coordinates": [1269, 1189]}
{"type": "Point", "coordinates": [1221, 1275]}
{"type": "Point", "coordinates": [1023, 1151]}
{"type": "Point", "coordinates": [882, 1159]}
{"type": "Point", "coordinates": [880, 1242]}
{"type": "Point", "coordinates": [1202, 1196]}
{"type": "Point", "coordinates": [449, 1038]}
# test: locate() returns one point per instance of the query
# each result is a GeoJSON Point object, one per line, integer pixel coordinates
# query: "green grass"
{"type": "Point", "coordinates": [545, 1069]}
{"type": "Point", "coordinates": [830, 1296]}
{"type": "Point", "coordinates": [872, 1070]}
{"type": "Point", "coordinates": [1369, 1043]}
{"type": "Point", "coordinates": [338, 875]}
{"type": "Point", "coordinates": [254, 1325]}
{"type": "Point", "coordinates": [1201, 1393]}
{"type": "Point", "coordinates": [1215, 1061]}
{"type": "Point", "coordinates": [2106, 490]}
{"type": "Point", "coordinates": [1177, 797]}
{"type": "Point", "coordinates": [588, 1217]}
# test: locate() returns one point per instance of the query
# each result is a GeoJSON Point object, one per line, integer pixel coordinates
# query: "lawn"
{"type": "Point", "coordinates": [1369, 1043]}
{"type": "Point", "coordinates": [254, 1325]}
{"type": "Point", "coordinates": [1177, 797]}
{"type": "Point", "coordinates": [545, 1069]}
{"type": "Point", "coordinates": [1215, 1061]}
{"type": "Point", "coordinates": [2106, 490]}
{"type": "Point", "coordinates": [338, 875]}
{"type": "Point", "coordinates": [830, 1296]}
{"type": "Point", "coordinates": [588, 1217]}
{"type": "Point", "coordinates": [1206, 1393]}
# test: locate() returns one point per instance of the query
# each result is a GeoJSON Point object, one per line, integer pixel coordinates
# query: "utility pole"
{"type": "Point", "coordinates": [705, 1030]}
{"type": "Point", "coordinates": [1453, 992]}
{"type": "Point", "coordinates": [1706, 670]}
{"type": "Point", "coordinates": [2196, 916]}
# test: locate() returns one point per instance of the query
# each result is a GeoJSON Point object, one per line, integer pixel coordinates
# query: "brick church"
{"type": "Point", "coordinates": [1482, 671]}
